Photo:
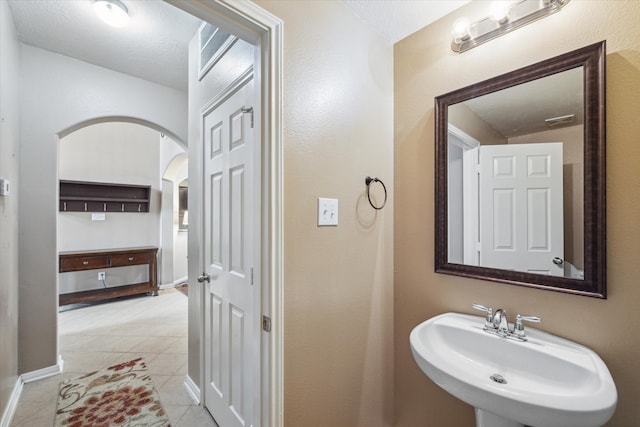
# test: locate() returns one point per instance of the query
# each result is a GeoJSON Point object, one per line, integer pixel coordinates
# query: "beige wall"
{"type": "Point", "coordinates": [9, 154]}
{"type": "Point", "coordinates": [425, 67]}
{"type": "Point", "coordinates": [338, 280]}
{"type": "Point", "coordinates": [467, 121]}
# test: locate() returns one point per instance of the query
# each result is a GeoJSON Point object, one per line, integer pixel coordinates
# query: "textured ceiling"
{"type": "Point", "coordinates": [154, 44]}
{"type": "Point", "coordinates": [396, 19]}
{"type": "Point", "coordinates": [523, 109]}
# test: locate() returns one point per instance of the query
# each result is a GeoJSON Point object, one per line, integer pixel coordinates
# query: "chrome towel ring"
{"type": "Point", "coordinates": [368, 181]}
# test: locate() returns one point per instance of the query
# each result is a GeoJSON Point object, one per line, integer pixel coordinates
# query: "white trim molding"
{"type": "Point", "coordinates": [192, 389]}
{"type": "Point", "coordinates": [174, 283]}
{"type": "Point", "coordinates": [257, 26]}
{"type": "Point", "coordinates": [10, 410]}
{"type": "Point", "coordinates": [43, 373]}
{"type": "Point", "coordinates": [470, 183]}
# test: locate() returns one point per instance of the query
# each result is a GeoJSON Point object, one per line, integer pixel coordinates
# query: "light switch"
{"type": "Point", "coordinates": [5, 189]}
{"type": "Point", "coordinates": [327, 211]}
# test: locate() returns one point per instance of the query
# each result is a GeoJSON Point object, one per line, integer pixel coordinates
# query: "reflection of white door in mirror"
{"type": "Point", "coordinates": [521, 208]}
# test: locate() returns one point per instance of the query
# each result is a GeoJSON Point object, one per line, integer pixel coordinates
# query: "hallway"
{"type": "Point", "coordinates": [92, 337]}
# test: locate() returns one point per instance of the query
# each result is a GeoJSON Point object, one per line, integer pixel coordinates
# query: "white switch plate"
{"type": "Point", "coordinates": [98, 216]}
{"type": "Point", "coordinates": [327, 211]}
{"type": "Point", "coordinates": [5, 189]}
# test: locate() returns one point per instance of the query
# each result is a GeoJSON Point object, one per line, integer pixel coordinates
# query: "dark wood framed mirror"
{"type": "Point", "coordinates": [520, 176]}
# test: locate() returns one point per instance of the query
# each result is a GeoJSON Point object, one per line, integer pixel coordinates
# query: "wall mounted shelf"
{"type": "Point", "coordinates": [83, 196]}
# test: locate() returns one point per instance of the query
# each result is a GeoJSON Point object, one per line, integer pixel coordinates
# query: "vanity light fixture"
{"type": "Point", "coordinates": [113, 12]}
{"type": "Point", "coordinates": [505, 16]}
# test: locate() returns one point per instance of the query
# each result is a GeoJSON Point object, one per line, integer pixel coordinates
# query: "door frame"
{"type": "Point", "coordinates": [265, 31]}
{"type": "Point", "coordinates": [470, 162]}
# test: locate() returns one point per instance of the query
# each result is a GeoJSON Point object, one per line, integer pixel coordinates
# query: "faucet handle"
{"type": "Point", "coordinates": [534, 319]}
{"type": "Point", "coordinates": [518, 328]}
{"type": "Point", "coordinates": [481, 307]}
{"type": "Point", "coordinates": [488, 322]}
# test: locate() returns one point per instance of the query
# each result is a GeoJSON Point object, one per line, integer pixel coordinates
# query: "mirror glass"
{"type": "Point", "coordinates": [521, 152]}
{"type": "Point", "coordinates": [515, 177]}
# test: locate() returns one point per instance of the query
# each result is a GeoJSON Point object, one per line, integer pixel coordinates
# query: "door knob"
{"type": "Point", "coordinates": [204, 278]}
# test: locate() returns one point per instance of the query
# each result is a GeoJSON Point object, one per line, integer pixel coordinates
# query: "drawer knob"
{"type": "Point", "coordinates": [85, 262]}
{"type": "Point", "coordinates": [130, 258]}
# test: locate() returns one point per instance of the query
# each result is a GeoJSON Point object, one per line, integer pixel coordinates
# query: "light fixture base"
{"type": "Point", "coordinates": [519, 14]}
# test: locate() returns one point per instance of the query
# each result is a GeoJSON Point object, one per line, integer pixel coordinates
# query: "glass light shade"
{"type": "Point", "coordinates": [113, 12]}
{"type": "Point", "coordinates": [461, 29]}
{"type": "Point", "coordinates": [500, 11]}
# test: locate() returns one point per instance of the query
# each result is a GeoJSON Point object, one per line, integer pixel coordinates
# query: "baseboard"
{"type": "Point", "coordinates": [44, 372]}
{"type": "Point", "coordinates": [192, 389]}
{"type": "Point", "coordinates": [10, 410]}
{"type": "Point", "coordinates": [175, 283]}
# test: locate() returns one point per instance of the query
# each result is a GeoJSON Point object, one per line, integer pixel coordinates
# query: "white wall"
{"type": "Point", "coordinates": [180, 238]}
{"type": "Point", "coordinates": [165, 269]}
{"type": "Point", "coordinates": [121, 153]}
{"type": "Point", "coordinates": [60, 94]}
{"type": "Point", "coordinates": [174, 241]}
{"type": "Point", "coordinates": [9, 154]}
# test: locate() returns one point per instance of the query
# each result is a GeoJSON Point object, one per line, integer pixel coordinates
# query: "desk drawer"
{"type": "Point", "coordinates": [129, 259]}
{"type": "Point", "coordinates": [83, 263]}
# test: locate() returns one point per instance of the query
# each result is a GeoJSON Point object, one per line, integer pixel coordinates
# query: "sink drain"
{"type": "Point", "coordinates": [498, 378]}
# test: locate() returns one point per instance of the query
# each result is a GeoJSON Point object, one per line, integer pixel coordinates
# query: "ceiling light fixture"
{"type": "Point", "coordinates": [505, 17]}
{"type": "Point", "coordinates": [561, 120]}
{"type": "Point", "coordinates": [113, 12]}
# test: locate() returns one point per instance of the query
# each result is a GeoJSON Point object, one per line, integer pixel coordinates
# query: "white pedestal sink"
{"type": "Point", "coordinates": [546, 381]}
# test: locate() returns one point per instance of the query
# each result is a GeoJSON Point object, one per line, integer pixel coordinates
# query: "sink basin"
{"type": "Point", "coordinates": [545, 381]}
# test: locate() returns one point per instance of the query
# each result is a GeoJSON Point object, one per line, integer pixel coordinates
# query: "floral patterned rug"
{"type": "Point", "coordinates": [122, 395]}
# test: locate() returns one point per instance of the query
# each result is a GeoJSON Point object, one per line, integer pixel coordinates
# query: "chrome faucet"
{"type": "Point", "coordinates": [497, 323]}
{"type": "Point", "coordinates": [488, 321]}
{"type": "Point", "coordinates": [500, 321]}
{"type": "Point", "coordinates": [518, 328]}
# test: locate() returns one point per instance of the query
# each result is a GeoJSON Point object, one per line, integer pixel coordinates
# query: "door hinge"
{"type": "Point", "coordinates": [477, 168]}
{"type": "Point", "coordinates": [249, 111]}
{"type": "Point", "coordinates": [252, 275]}
{"type": "Point", "coordinates": [266, 323]}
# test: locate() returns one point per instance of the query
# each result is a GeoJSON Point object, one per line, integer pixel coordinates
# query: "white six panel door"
{"type": "Point", "coordinates": [521, 207]}
{"type": "Point", "coordinates": [231, 360]}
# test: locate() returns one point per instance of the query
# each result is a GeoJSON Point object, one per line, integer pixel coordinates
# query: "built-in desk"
{"type": "Point", "coordinates": [102, 259]}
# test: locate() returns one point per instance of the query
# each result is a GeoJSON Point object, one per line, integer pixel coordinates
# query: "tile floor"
{"type": "Point", "coordinates": [95, 336]}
